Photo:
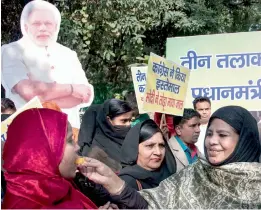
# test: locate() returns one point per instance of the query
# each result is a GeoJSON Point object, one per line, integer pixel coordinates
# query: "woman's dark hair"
{"type": "Point", "coordinates": [148, 129]}
{"type": "Point", "coordinates": [118, 107]}
{"type": "Point", "coordinates": [6, 104]}
{"type": "Point", "coordinates": [130, 97]}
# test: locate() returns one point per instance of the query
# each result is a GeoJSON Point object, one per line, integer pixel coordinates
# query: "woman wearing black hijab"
{"type": "Point", "coordinates": [240, 143]}
{"type": "Point", "coordinates": [229, 179]}
{"type": "Point", "coordinates": [147, 157]}
{"type": "Point", "coordinates": [103, 130]}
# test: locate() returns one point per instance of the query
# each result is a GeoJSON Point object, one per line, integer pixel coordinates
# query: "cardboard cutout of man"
{"type": "Point", "coordinates": [36, 65]}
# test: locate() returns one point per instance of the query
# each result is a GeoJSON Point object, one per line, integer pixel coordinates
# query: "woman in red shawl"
{"type": "Point", "coordinates": [39, 159]}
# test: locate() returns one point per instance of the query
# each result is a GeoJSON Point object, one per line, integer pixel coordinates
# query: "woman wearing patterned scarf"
{"type": "Point", "coordinates": [230, 178]}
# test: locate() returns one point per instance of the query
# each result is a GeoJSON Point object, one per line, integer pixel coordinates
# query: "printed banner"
{"type": "Point", "coordinates": [34, 103]}
{"type": "Point", "coordinates": [166, 86]}
{"type": "Point", "coordinates": [139, 82]}
{"type": "Point", "coordinates": [224, 67]}
{"type": "Point", "coordinates": [243, 89]}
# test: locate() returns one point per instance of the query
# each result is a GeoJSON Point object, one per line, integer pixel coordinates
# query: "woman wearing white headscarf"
{"type": "Point", "coordinates": [36, 65]}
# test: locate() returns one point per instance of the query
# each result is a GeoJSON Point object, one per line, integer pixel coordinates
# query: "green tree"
{"type": "Point", "coordinates": [110, 34]}
{"type": "Point", "coordinates": [10, 20]}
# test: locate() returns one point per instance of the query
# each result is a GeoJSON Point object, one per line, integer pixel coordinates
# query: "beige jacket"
{"type": "Point", "coordinates": [179, 154]}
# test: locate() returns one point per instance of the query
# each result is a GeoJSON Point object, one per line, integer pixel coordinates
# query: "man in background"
{"type": "Point", "coordinates": [182, 145]}
{"type": "Point", "coordinates": [203, 106]}
{"type": "Point", "coordinates": [7, 106]}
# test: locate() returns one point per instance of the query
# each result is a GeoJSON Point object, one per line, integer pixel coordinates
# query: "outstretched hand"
{"type": "Point", "coordinates": [102, 174]}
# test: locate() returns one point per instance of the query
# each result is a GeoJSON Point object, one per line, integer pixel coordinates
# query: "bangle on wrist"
{"type": "Point", "coordinates": [120, 190]}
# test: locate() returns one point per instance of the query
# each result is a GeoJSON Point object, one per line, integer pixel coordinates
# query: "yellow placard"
{"type": "Point", "coordinates": [139, 82]}
{"type": "Point", "coordinates": [166, 86]}
{"type": "Point", "coordinates": [34, 103]}
{"type": "Point", "coordinates": [224, 67]}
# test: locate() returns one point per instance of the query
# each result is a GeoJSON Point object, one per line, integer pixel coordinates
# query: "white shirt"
{"type": "Point", "coordinates": [54, 64]}
{"type": "Point", "coordinates": [201, 139]}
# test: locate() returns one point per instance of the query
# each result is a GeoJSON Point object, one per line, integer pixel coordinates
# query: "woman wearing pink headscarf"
{"type": "Point", "coordinates": [39, 159]}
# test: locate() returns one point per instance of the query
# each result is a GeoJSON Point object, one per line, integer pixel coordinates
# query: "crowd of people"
{"type": "Point", "coordinates": [130, 160]}
{"type": "Point", "coordinates": [130, 166]}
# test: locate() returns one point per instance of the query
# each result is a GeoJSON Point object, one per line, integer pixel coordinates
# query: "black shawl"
{"type": "Point", "coordinates": [129, 155]}
{"type": "Point", "coordinates": [96, 130]}
{"type": "Point", "coordinates": [248, 148]}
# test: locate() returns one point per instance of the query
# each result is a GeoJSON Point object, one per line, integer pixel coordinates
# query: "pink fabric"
{"type": "Point", "coordinates": [32, 153]}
